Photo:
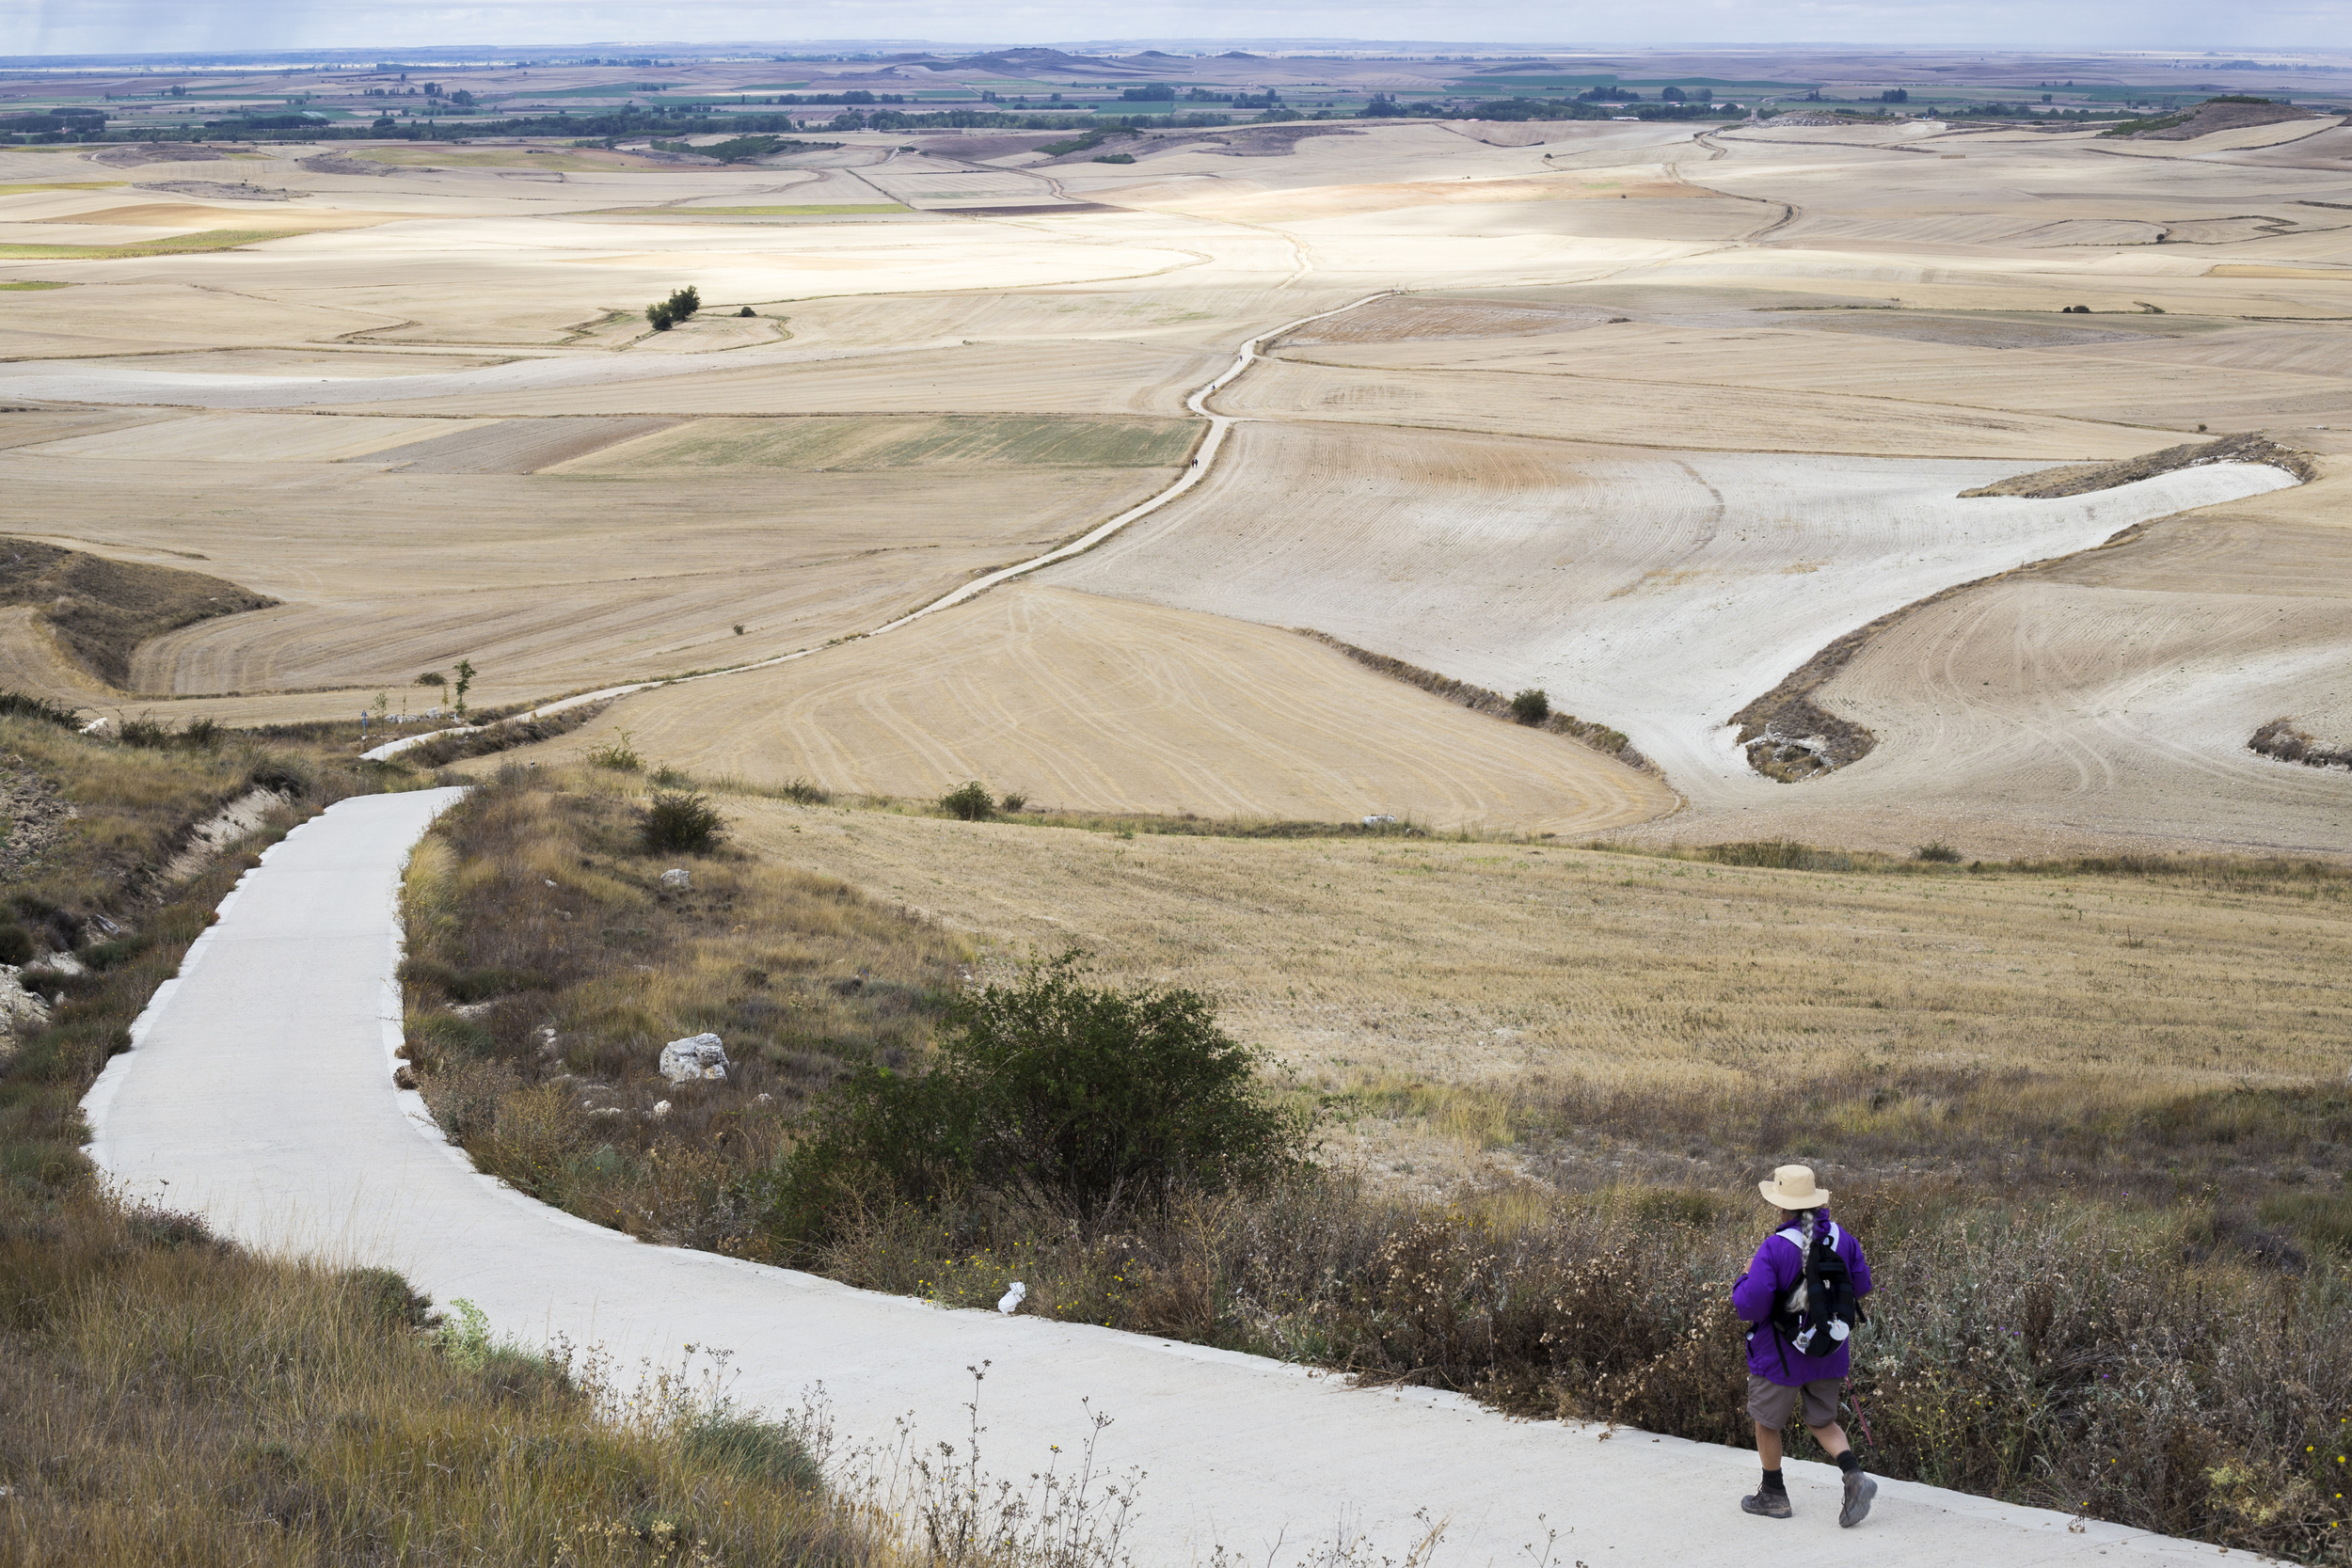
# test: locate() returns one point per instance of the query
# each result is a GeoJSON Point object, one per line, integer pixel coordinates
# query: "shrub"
{"type": "Point", "coordinates": [1116, 158]}
{"type": "Point", "coordinates": [616, 753]}
{"type": "Point", "coordinates": [1015, 802]}
{"type": "Point", "coordinates": [747, 310]}
{"type": "Point", "coordinates": [144, 731]}
{"type": "Point", "coordinates": [16, 947]}
{"type": "Point", "coordinates": [676, 822]}
{"type": "Point", "coordinates": [971, 802]}
{"type": "Point", "coordinates": [1937, 851]}
{"type": "Point", "coordinates": [1085, 1099]}
{"type": "Point", "coordinates": [801, 792]}
{"type": "Point", "coordinates": [17, 705]}
{"type": "Point", "coordinates": [1531, 706]}
{"type": "Point", "coordinates": [432, 677]}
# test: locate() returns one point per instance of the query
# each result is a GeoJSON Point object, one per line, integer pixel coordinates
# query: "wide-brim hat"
{"type": "Point", "coordinates": [1792, 1187]}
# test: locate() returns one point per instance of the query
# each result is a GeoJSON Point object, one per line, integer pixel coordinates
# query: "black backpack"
{"type": "Point", "coordinates": [1819, 1312]}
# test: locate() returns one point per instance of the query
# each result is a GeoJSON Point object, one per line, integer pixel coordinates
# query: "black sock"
{"type": "Point", "coordinates": [1848, 1462]}
{"type": "Point", "coordinates": [1773, 1483]}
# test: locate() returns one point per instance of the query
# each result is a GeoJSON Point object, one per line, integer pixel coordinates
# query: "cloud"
{"type": "Point", "coordinates": [141, 26]}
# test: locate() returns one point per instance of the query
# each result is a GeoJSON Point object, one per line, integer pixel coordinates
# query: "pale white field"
{"type": "Point", "coordinates": [1657, 593]}
{"type": "Point", "coordinates": [1078, 702]}
{"type": "Point", "coordinates": [1669, 408]}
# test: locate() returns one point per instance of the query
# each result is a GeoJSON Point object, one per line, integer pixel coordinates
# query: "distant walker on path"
{"type": "Point", "coordinates": [1801, 1299]}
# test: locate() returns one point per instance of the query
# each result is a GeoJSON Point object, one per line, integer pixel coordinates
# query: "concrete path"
{"type": "Point", "coordinates": [259, 1093]}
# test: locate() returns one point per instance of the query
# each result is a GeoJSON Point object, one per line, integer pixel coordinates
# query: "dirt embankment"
{"type": "Point", "coordinates": [2223, 114]}
{"type": "Point", "coordinates": [335, 162]}
{"type": "Point", "coordinates": [157, 152]}
{"type": "Point", "coordinates": [103, 610]}
{"type": "Point", "coordinates": [2279, 738]}
{"type": "Point", "coordinates": [1600, 737]}
{"type": "Point", "coordinates": [2082, 478]}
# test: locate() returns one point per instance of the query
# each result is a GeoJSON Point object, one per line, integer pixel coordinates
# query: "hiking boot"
{"type": "Point", "coordinates": [1860, 1490]}
{"type": "Point", "coordinates": [1767, 1505]}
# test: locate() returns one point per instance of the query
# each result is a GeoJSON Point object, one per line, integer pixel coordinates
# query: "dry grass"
{"type": "Point", "coordinates": [547, 967]}
{"type": "Point", "coordinates": [289, 1414]}
{"type": "Point", "coordinates": [1472, 963]}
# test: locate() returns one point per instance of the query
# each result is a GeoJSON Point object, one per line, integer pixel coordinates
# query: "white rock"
{"type": "Point", "coordinates": [20, 1010]}
{"type": "Point", "coordinates": [676, 877]}
{"type": "Point", "coordinates": [661, 1109]}
{"type": "Point", "coordinates": [694, 1058]}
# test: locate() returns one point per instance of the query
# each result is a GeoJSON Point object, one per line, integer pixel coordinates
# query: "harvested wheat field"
{"type": "Point", "coordinates": [1078, 701]}
{"type": "Point", "coordinates": [1387, 961]}
{"type": "Point", "coordinates": [1645, 413]}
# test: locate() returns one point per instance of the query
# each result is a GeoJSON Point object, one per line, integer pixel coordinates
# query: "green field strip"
{"type": "Point", "coordinates": [211, 239]}
{"type": "Point", "coordinates": [34, 285]}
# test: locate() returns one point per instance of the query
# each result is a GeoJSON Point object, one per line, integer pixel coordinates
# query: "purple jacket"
{"type": "Point", "coordinates": [1772, 1272]}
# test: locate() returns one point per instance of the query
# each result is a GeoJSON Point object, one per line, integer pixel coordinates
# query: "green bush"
{"type": "Point", "coordinates": [1050, 1090]}
{"type": "Point", "coordinates": [676, 822]}
{"type": "Point", "coordinates": [970, 802]}
{"type": "Point", "coordinates": [801, 792]}
{"type": "Point", "coordinates": [1531, 706]}
{"type": "Point", "coordinates": [16, 947]}
{"type": "Point", "coordinates": [17, 705]}
{"type": "Point", "coordinates": [616, 753]}
{"type": "Point", "coordinates": [1937, 851]}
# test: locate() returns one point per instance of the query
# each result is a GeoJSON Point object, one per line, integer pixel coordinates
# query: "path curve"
{"type": "Point", "coordinates": [259, 1093]}
{"type": "Point", "coordinates": [1203, 458]}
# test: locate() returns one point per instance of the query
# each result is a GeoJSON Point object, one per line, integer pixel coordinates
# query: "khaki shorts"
{"type": "Point", "coordinates": [1771, 1403]}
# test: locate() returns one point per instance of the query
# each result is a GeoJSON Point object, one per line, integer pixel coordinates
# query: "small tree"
{"type": "Point", "coordinates": [1531, 706]}
{"type": "Point", "coordinates": [465, 680]}
{"type": "Point", "coordinates": [667, 313]}
{"type": "Point", "coordinates": [971, 802]}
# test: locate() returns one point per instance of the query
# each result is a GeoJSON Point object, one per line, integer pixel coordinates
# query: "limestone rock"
{"type": "Point", "coordinates": [20, 1011]}
{"type": "Point", "coordinates": [694, 1058]}
{"type": "Point", "coordinates": [676, 878]}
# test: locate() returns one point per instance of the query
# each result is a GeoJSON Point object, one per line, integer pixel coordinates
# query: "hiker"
{"type": "Point", "coordinates": [1801, 1300]}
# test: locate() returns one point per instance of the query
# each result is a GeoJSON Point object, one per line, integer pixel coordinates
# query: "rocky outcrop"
{"type": "Point", "coordinates": [693, 1060]}
{"type": "Point", "coordinates": [22, 1011]}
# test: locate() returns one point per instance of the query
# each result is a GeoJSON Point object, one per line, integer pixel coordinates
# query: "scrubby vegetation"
{"type": "Point", "coordinates": [1529, 708]}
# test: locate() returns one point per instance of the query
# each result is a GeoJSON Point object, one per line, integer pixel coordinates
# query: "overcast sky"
{"type": "Point", "coordinates": [108, 27]}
